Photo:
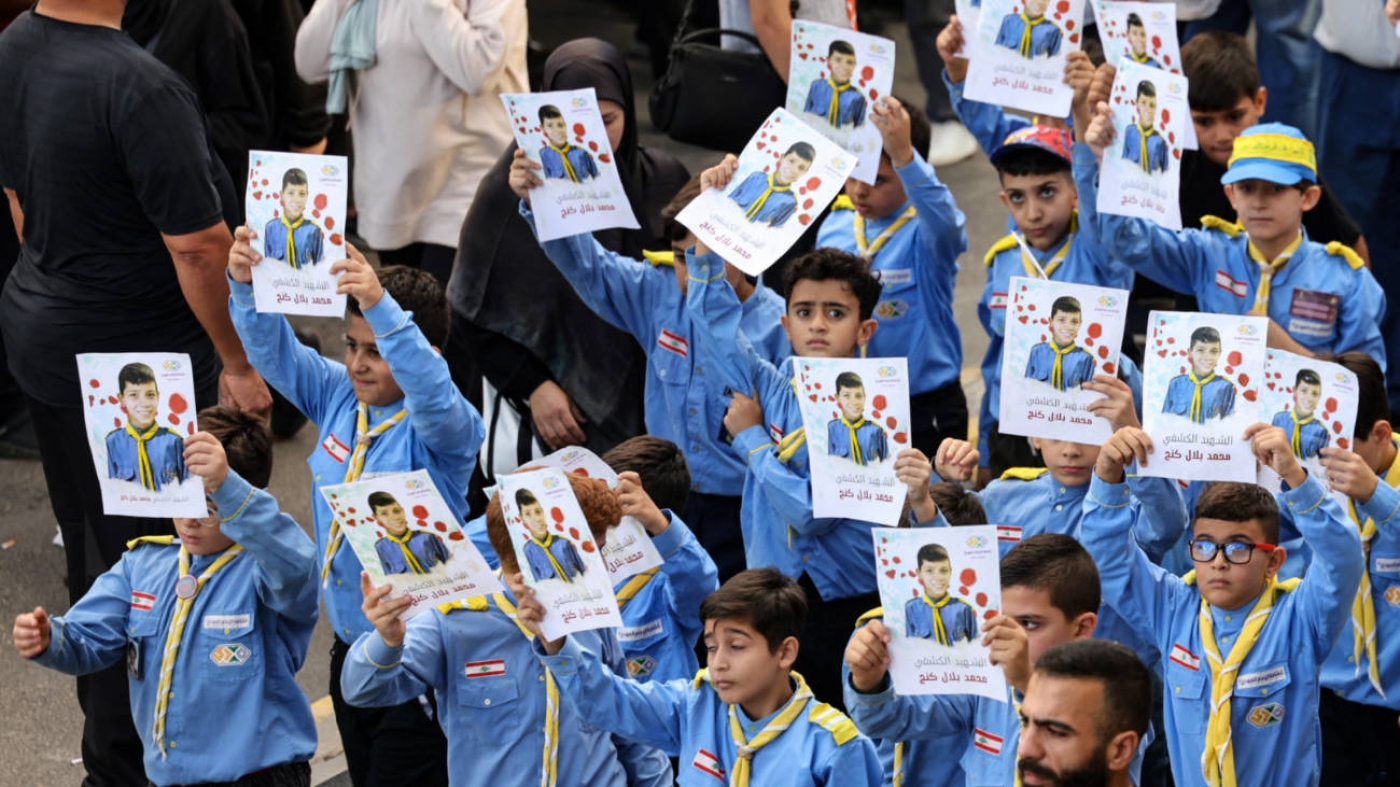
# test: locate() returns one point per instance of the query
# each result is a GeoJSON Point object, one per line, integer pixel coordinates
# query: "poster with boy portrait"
{"type": "Point", "coordinates": [937, 586]}
{"type": "Point", "coordinates": [1313, 402]}
{"type": "Point", "coordinates": [563, 132]}
{"type": "Point", "coordinates": [405, 535]}
{"type": "Point", "coordinates": [1201, 389]}
{"type": "Point", "coordinates": [968, 11]}
{"type": "Point", "coordinates": [628, 549]}
{"type": "Point", "coordinates": [856, 415]}
{"type": "Point", "coordinates": [1141, 173]}
{"type": "Point", "coordinates": [1058, 336]}
{"type": "Point", "coordinates": [1018, 54]}
{"type": "Point", "coordinates": [556, 552]}
{"type": "Point", "coordinates": [295, 205]}
{"type": "Point", "coordinates": [138, 409]}
{"type": "Point", "coordinates": [834, 79]}
{"type": "Point", "coordinates": [788, 174]}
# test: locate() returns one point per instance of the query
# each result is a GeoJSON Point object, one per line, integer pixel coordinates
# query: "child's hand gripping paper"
{"type": "Point", "coordinates": [636, 503]}
{"type": "Point", "coordinates": [1272, 447]}
{"type": "Point", "coordinates": [32, 633]}
{"type": "Point", "coordinates": [744, 412]}
{"type": "Point", "coordinates": [383, 612]}
{"type": "Point", "coordinates": [892, 120]}
{"type": "Point", "coordinates": [1079, 75]}
{"type": "Point", "coordinates": [242, 256]}
{"type": "Point", "coordinates": [1010, 650]}
{"type": "Point", "coordinates": [205, 457]}
{"type": "Point", "coordinates": [1100, 132]}
{"type": "Point", "coordinates": [529, 611]}
{"type": "Point", "coordinates": [1117, 405]}
{"type": "Point", "coordinates": [1348, 473]}
{"type": "Point", "coordinates": [949, 43]}
{"type": "Point", "coordinates": [522, 175]}
{"type": "Point", "coordinates": [956, 460]}
{"type": "Point", "coordinates": [358, 279]}
{"type": "Point", "coordinates": [913, 469]}
{"type": "Point", "coordinates": [1127, 445]}
{"type": "Point", "coordinates": [868, 656]}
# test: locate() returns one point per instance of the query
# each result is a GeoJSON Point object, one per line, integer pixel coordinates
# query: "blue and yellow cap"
{"type": "Point", "coordinates": [1273, 152]}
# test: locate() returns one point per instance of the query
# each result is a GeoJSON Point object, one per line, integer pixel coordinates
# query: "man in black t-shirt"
{"type": "Point", "coordinates": [105, 164]}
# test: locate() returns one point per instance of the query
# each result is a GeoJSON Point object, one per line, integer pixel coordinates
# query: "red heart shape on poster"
{"type": "Point", "coordinates": [336, 240]}
{"type": "Point", "coordinates": [257, 195]}
{"type": "Point", "coordinates": [605, 158]}
{"type": "Point", "coordinates": [890, 573]}
{"type": "Point", "coordinates": [1069, 24]}
{"type": "Point", "coordinates": [1023, 318]}
{"type": "Point", "coordinates": [813, 397]}
{"type": "Point", "coordinates": [1074, 38]}
{"type": "Point", "coordinates": [1161, 353]}
{"type": "Point", "coordinates": [1244, 379]}
{"type": "Point", "coordinates": [587, 546]}
{"type": "Point", "coordinates": [1251, 395]}
{"type": "Point", "coordinates": [1109, 368]}
{"type": "Point", "coordinates": [867, 73]}
{"type": "Point", "coordinates": [802, 55]}
{"type": "Point", "coordinates": [804, 219]}
{"type": "Point", "coordinates": [593, 146]}
{"type": "Point", "coordinates": [173, 419]}
{"type": "Point", "coordinates": [456, 535]}
{"type": "Point", "coordinates": [1343, 443]}
{"type": "Point", "coordinates": [901, 438]}
{"type": "Point", "coordinates": [1103, 351]}
{"type": "Point", "coordinates": [760, 145]}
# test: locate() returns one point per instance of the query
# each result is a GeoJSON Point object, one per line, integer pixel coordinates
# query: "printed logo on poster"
{"type": "Point", "coordinates": [413, 483]}
{"type": "Point", "coordinates": [172, 365]}
{"type": "Point", "coordinates": [1248, 329]}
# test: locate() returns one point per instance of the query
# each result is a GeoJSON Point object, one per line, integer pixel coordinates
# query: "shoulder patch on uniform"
{"type": "Point", "coordinates": [162, 541]}
{"type": "Point", "coordinates": [1008, 242]}
{"type": "Point", "coordinates": [843, 202]}
{"type": "Point", "coordinates": [1339, 249]}
{"type": "Point", "coordinates": [877, 613]}
{"type": "Point", "coordinates": [659, 258]}
{"type": "Point", "coordinates": [701, 678]}
{"type": "Point", "coordinates": [1024, 473]}
{"type": "Point", "coordinates": [1221, 225]}
{"type": "Point", "coordinates": [842, 729]}
{"type": "Point", "coordinates": [473, 604]}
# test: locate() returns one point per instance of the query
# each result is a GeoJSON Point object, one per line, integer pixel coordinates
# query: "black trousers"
{"type": "Point", "coordinates": [830, 625]}
{"type": "Point", "coordinates": [935, 415]}
{"type": "Point", "coordinates": [398, 745]}
{"type": "Point", "coordinates": [1360, 743]}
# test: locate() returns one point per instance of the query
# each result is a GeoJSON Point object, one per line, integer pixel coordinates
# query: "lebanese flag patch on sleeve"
{"type": "Point", "coordinates": [987, 742]}
{"type": "Point", "coordinates": [708, 763]}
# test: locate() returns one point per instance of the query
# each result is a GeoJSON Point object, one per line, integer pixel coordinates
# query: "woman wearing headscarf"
{"type": "Point", "coordinates": [515, 317]}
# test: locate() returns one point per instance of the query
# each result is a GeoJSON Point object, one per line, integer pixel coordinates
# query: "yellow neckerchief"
{"type": "Point", "coordinates": [1267, 269]}
{"type": "Point", "coordinates": [869, 250]}
{"type": "Point", "coordinates": [413, 564]}
{"type": "Point", "coordinates": [171, 651]}
{"type": "Point", "coordinates": [1143, 134]}
{"type": "Point", "coordinates": [833, 112]}
{"type": "Point", "coordinates": [1057, 374]}
{"type": "Point", "coordinates": [743, 764]}
{"type": "Point", "coordinates": [855, 444]}
{"type": "Point", "coordinates": [1137, 59]}
{"type": "Point", "coordinates": [1033, 268]}
{"type": "Point", "coordinates": [545, 544]}
{"type": "Point", "coordinates": [773, 188]}
{"type": "Point", "coordinates": [1025, 48]}
{"type": "Point", "coordinates": [1197, 413]}
{"type": "Point", "coordinates": [355, 466]}
{"type": "Point", "coordinates": [940, 631]}
{"type": "Point", "coordinates": [633, 586]}
{"type": "Point", "coordinates": [564, 157]}
{"type": "Point", "coordinates": [1363, 607]}
{"type": "Point", "coordinates": [1218, 759]}
{"type": "Point", "coordinates": [1297, 440]}
{"type": "Point", "coordinates": [143, 459]}
{"type": "Point", "coordinates": [291, 240]}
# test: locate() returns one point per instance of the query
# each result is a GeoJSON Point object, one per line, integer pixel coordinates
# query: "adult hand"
{"type": "Point", "coordinates": [556, 416]}
{"type": "Point", "coordinates": [245, 390]}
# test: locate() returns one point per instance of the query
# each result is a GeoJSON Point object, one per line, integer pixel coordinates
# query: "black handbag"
{"type": "Point", "coordinates": [713, 97]}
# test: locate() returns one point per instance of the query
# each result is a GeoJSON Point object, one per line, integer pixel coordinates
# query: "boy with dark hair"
{"type": "Point", "coordinates": [1029, 33]}
{"type": "Point", "coordinates": [499, 707]}
{"type": "Point", "coordinates": [660, 622]}
{"type": "Point", "coordinates": [1307, 435]}
{"type": "Point", "coordinates": [1057, 361]}
{"type": "Point", "coordinates": [391, 408]}
{"type": "Point", "coordinates": [907, 226]}
{"type": "Point", "coordinates": [549, 556]}
{"type": "Point", "coordinates": [558, 157]}
{"type": "Point", "coordinates": [1200, 394]}
{"type": "Point", "coordinates": [956, 504]}
{"type": "Point", "coordinates": [850, 436]}
{"type": "Point", "coordinates": [1142, 144]}
{"type": "Point", "coordinates": [747, 719]}
{"type": "Point", "coordinates": [682, 404]}
{"type": "Point", "coordinates": [219, 618]}
{"type": "Point", "coordinates": [936, 613]}
{"type": "Point", "coordinates": [1137, 42]}
{"type": "Point", "coordinates": [834, 97]}
{"type": "Point", "coordinates": [293, 237]}
{"type": "Point", "coordinates": [1242, 651]}
{"type": "Point", "coordinates": [404, 551]}
{"type": "Point", "coordinates": [143, 452]}
{"type": "Point", "coordinates": [767, 198]}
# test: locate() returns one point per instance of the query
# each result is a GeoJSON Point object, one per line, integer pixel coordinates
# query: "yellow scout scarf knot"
{"type": "Point", "coordinates": [1138, 59]}
{"type": "Point", "coordinates": [355, 466]}
{"type": "Point", "coordinates": [940, 631]}
{"type": "Point", "coordinates": [186, 590]}
{"type": "Point", "coordinates": [634, 586]}
{"type": "Point", "coordinates": [1267, 269]}
{"type": "Point", "coordinates": [1297, 439]}
{"type": "Point", "coordinates": [855, 444]}
{"type": "Point", "coordinates": [833, 112]}
{"type": "Point", "coordinates": [144, 472]}
{"type": "Point", "coordinates": [1025, 48]}
{"type": "Point", "coordinates": [743, 765]}
{"type": "Point", "coordinates": [291, 239]}
{"type": "Point", "coordinates": [564, 157]}
{"type": "Point", "coordinates": [773, 188]}
{"type": "Point", "coordinates": [869, 250]}
{"type": "Point", "coordinates": [1057, 374]}
{"type": "Point", "coordinates": [1196, 413]}
{"type": "Point", "coordinates": [1034, 269]}
{"type": "Point", "coordinates": [413, 564]}
{"type": "Point", "coordinates": [1143, 134]}
{"type": "Point", "coordinates": [1363, 607]}
{"type": "Point", "coordinates": [545, 545]}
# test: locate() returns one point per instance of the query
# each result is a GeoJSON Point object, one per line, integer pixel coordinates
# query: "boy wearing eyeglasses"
{"type": "Point", "coordinates": [1242, 650]}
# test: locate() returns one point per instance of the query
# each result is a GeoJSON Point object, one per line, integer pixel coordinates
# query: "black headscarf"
{"type": "Point", "coordinates": [504, 284]}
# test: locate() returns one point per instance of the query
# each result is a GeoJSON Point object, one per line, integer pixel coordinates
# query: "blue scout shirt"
{"type": "Point", "coordinates": [1324, 297]}
{"type": "Point", "coordinates": [538, 555]}
{"type": "Point", "coordinates": [869, 441]}
{"type": "Point", "coordinates": [1156, 147]}
{"type": "Point", "coordinates": [1217, 397]}
{"type": "Point", "coordinates": [165, 450]}
{"type": "Point", "coordinates": [918, 270]}
{"type": "Point", "coordinates": [661, 622]}
{"type": "Point", "coordinates": [684, 404]}
{"type": "Point", "coordinates": [426, 548]}
{"type": "Point", "coordinates": [959, 619]}
{"type": "Point", "coordinates": [1312, 434]}
{"type": "Point", "coordinates": [1273, 712]}
{"type": "Point", "coordinates": [245, 638]}
{"type": "Point", "coordinates": [491, 700]}
{"type": "Point", "coordinates": [850, 104]}
{"type": "Point", "coordinates": [1086, 262]}
{"type": "Point", "coordinates": [776, 518]}
{"type": "Point", "coordinates": [441, 434]}
{"type": "Point", "coordinates": [764, 201]}
{"type": "Point", "coordinates": [579, 161]}
{"type": "Point", "coordinates": [307, 241]}
{"type": "Point", "coordinates": [1044, 38]}
{"type": "Point", "coordinates": [687, 720]}
{"type": "Point", "coordinates": [1077, 366]}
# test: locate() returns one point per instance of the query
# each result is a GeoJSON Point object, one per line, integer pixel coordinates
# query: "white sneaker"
{"type": "Point", "coordinates": [950, 143]}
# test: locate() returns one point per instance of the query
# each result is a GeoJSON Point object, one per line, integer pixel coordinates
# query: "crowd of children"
{"type": "Point", "coordinates": [1242, 671]}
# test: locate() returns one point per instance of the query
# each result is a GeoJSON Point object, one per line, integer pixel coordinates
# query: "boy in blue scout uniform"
{"type": "Point", "coordinates": [499, 707]}
{"type": "Point", "coordinates": [850, 436]}
{"type": "Point", "coordinates": [1142, 143]}
{"type": "Point", "coordinates": [293, 237]}
{"type": "Point", "coordinates": [910, 230]}
{"type": "Point", "coordinates": [1057, 361]}
{"type": "Point", "coordinates": [391, 408]}
{"type": "Point", "coordinates": [1137, 42]}
{"type": "Point", "coordinates": [767, 198]}
{"type": "Point", "coordinates": [1307, 435]}
{"type": "Point", "coordinates": [548, 556]}
{"type": "Point", "coordinates": [1241, 651]}
{"type": "Point", "coordinates": [747, 719]}
{"type": "Point", "coordinates": [401, 550]}
{"type": "Point", "coordinates": [1201, 394]}
{"type": "Point", "coordinates": [560, 159]}
{"type": "Point", "coordinates": [216, 621]}
{"type": "Point", "coordinates": [935, 613]}
{"type": "Point", "coordinates": [834, 97]}
{"type": "Point", "coordinates": [1029, 33]}
{"type": "Point", "coordinates": [683, 404]}
{"type": "Point", "coordinates": [1318, 298]}
{"type": "Point", "coordinates": [142, 451]}
{"type": "Point", "coordinates": [660, 607]}
{"type": "Point", "coordinates": [1050, 594]}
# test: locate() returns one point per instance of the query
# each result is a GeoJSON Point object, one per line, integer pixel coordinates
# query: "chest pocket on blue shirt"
{"type": "Point", "coordinates": [229, 649]}
{"type": "Point", "coordinates": [670, 366]}
{"type": "Point", "coordinates": [1257, 699]}
{"type": "Point", "coordinates": [489, 693]}
{"type": "Point", "coordinates": [1187, 688]}
{"type": "Point", "coordinates": [141, 629]}
{"type": "Point", "coordinates": [897, 294]}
